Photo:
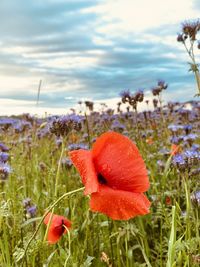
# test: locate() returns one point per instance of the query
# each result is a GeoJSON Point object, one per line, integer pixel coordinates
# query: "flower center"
{"type": "Point", "coordinates": [101, 179]}
{"type": "Point", "coordinates": [62, 227]}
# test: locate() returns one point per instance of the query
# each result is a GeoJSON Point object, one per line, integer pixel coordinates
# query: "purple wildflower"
{"type": "Point", "coordinates": [4, 171]}
{"type": "Point", "coordinates": [176, 139]}
{"type": "Point", "coordinates": [31, 211]}
{"type": "Point", "coordinates": [190, 137]}
{"type": "Point", "coordinates": [195, 147]}
{"type": "Point", "coordinates": [4, 156]}
{"type": "Point", "coordinates": [175, 128]}
{"type": "Point", "coordinates": [3, 147]}
{"type": "Point", "coordinates": [179, 161]}
{"type": "Point", "coordinates": [139, 95]}
{"type": "Point", "coordinates": [117, 126]}
{"type": "Point", "coordinates": [62, 125]}
{"type": "Point", "coordinates": [77, 146]}
{"type": "Point", "coordinates": [187, 128]}
{"type": "Point", "coordinates": [162, 84]}
{"type": "Point", "coordinates": [125, 93]}
{"type": "Point", "coordinates": [192, 156]}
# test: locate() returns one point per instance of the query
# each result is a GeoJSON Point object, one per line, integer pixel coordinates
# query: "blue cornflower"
{"type": "Point", "coordinates": [162, 84]}
{"type": "Point", "coordinates": [179, 161]}
{"type": "Point", "coordinates": [3, 147]}
{"type": "Point", "coordinates": [7, 121]}
{"type": "Point", "coordinates": [117, 126]}
{"type": "Point", "coordinates": [77, 146]}
{"type": "Point", "coordinates": [125, 94]}
{"type": "Point", "coordinates": [176, 139]}
{"type": "Point", "coordinates": [192, 156]}
{"type": "Point", "coordinates": [62, 125]}
{"type": "Point", "coordinates": [4, 170]}
{"type": "Point", "coordinates": [187, 128]}
{"type": "Point", "coordinates": [190, 137]}
{"type": "Point", "coordinates": [175, 128]}
{"type": "Point", "coordinates": [31, 211]}
{"type": "Point", "coordinates": [183, 111]}
{"type": "Point", "coordinates": [191, 153]}
{"type": "Point", "coordinates": [195, 147]}
{"type": "Point", "coordinates": [4, 156]}
{"type": "Point", "coordinates": [21, 126]}
{"type": "Point", "coordinates": [139, 95]}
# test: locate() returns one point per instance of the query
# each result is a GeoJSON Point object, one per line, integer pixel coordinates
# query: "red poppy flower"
{"type": "Point", "coordinates": [56, 228]}
{"type": "Point", "coordinates": [115, 175]}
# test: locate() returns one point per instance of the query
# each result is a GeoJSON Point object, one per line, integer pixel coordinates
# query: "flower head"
{"type": "Point", "coordinates": [3, 147]}
{"type": "Point", "coordinates": [125, 93]}
{"type": "Point", "coordinates": [62, 125]}
{"type": "Point", "coordinates": [115, 176]}
{"type": "Point", "coordinates": [57, 228]}
{"type": "Point", "coordinates": [162, 84]}
{"type": "Point", "coordinates": [190, 28]}
{"type": "Point", "coordinates": [4, 156]}
{"type": "Point", "coordinates": [4, 170]}
{"type": "Point", "coordinates": [31, 211]}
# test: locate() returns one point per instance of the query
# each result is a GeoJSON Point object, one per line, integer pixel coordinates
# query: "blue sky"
{"type": "Point", "coordinates": [90, 50]}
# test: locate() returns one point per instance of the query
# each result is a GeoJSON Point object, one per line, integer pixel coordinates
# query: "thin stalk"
{"type": "Point", "coordinates": [59, 167]}
{"type": "Point", "coordinates": [192, 56]}
{"type": "Point", "coordinates": [172, 240]}
{"type": "Point", "coordinates": [88, 130]}
{"type": "Point", "coordinates": [188, 210]}
{"type": "Point", "coordinates": [145, 242]}
{"type": "Point", "coordinates": [69, 248]}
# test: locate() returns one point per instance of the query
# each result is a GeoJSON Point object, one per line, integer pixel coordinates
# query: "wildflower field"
{"type": "Point", "coordinates": [103, 189]}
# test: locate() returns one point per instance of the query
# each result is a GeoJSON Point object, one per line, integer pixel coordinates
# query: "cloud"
{"type": "Point", "coordinates": [88, 49]}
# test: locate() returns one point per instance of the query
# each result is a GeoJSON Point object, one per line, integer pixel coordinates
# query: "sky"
{"type": "Point", "coordinates": [90, 50]}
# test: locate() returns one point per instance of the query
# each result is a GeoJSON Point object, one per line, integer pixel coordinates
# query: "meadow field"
{"type": "Point", "coordinates": [37, 176]}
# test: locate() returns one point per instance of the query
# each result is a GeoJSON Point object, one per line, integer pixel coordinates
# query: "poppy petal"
{"type": "Point", "coordinates": [53, 235]}
{"type": "Point", "coordinates": [118, 160]}
{"type": "Point", "coordinates": [82, 159]}
{"type": "Point", "coordinates": [56, 229]}
{"type": "Point", "coordinates": [118, 204]}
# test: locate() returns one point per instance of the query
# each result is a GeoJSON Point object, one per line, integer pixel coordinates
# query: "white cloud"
{"type": "Point", "coordinates": [137, 16]}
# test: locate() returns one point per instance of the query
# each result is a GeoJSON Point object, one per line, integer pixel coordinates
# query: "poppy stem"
{"type": "Point", "coordinates": [45, 214]}
{"type": "Point", "coordinates": [56, 186]}
{"type": "Point", "coordinates": [69, 254]}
